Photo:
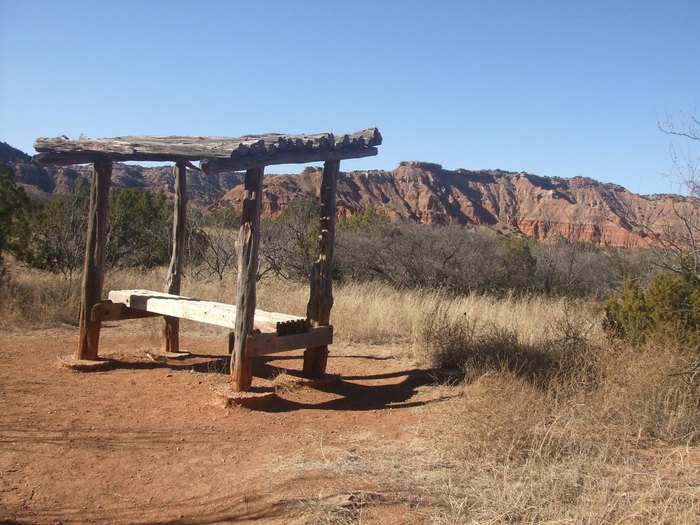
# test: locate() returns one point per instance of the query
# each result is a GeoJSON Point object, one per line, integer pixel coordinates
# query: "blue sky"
{"type": "Point", "coordinates": [556, 88]}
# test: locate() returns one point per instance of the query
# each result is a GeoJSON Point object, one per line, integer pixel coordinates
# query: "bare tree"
{"type": "Point", "coordinates": [679, 237]}
{"type": "Point", "coordinates": [289, 242]}
{"type": "Point", "coordinates": [212, 241]}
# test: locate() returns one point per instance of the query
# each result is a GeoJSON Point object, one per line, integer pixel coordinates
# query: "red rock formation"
{"type": "Point", "coordinates": [577, 209]}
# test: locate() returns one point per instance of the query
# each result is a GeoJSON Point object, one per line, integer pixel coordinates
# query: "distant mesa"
{"type": "Point", "coordinates": [427, 166]}
{"type": "Point", "coordinates": [10, 154]}
{"type": "Point", "coordinates": [579, 209]}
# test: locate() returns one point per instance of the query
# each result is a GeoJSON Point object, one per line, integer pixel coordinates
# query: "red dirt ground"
{"type": "Point", "coordinates": [148, 442]}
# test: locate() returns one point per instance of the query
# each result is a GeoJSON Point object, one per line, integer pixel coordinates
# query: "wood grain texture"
{"type": "Point", "coordinates": [261, 149]}
{"type": "Point", "coordinates": [93, 272]}
{"type": "Point", "coordinates": [321, 294]}
{"type": "Point", "coordinates": [248, 241]}
{"type": "Point", "coordinates": [170, 337]}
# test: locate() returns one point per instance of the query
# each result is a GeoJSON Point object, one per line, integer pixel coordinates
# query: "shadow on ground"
{"type": "Point", "coordinates": [352, 392]}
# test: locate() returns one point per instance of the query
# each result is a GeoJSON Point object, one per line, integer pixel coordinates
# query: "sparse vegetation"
{"type": "Point", "coordinates": [137, 232]}
{"type": "Point", "coordinates": [543, 416]}
{"type": "Point", "coordinates": [463, 260]}
{"type": "Point", "coordinates": [543, 420]}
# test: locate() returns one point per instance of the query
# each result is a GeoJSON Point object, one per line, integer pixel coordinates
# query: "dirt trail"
{"type": "Point", "coordinates": [149, 442]}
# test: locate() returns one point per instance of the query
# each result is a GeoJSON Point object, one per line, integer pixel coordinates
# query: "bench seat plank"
{"type": "Point", "coordinates": [195, 310]}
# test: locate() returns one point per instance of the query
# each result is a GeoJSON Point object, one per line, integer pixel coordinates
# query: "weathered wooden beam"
{"type": "Point", "coordinates": [320, 303]}
{"type": "Point", "coordinates": [63, 159]}
{"type": "Point", "coordinates": [93, 273]}
{"type": "Point", "coordinates": [248, 241]}
{"type": "Point", "coordinates": [258, 148]}
{"type": "Point", "coordinates": [271, 343]}
{"type": "Point", "coordinates": [210, 312]}
{"type": "Point", "coordinates": [109, 311]}
{"type": "Point", "coordinates": [213, 166]}
{"type": "Point", "coordinates": [170, 337]}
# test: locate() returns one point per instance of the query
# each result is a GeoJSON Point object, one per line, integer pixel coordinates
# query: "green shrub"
{"type": "Point", "coordinates": [674, 303]}
{"type": "Point", "coordinates": [58, 234]}
{"type": "Point", "coordinates": [668, 311]}
{"type": "Point", "coordinates": [138, 231]}
{"type": "Point", "coordinates": [13, 205]}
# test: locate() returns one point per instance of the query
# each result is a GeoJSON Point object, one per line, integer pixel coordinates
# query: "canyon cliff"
{"type": "Point", "coordinates": [578, 209]}
{"type": "Point", "coordinates": [546, 208]}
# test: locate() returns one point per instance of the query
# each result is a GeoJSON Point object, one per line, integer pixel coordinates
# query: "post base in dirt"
{"type": "Point", "coordinates": [241, 370]}
{"type": "Point", "coordinates": [93, 273]}
{"type": "Point", "coordinates": [170, 340]}
{"type": "Point", "coordinates": [248, 241]}
{"type": "Point", "coordinates": [88, 338]}
{"type": "Point", "coordinates": [315, 360]}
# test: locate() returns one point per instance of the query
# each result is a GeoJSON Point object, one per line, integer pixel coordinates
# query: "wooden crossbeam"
{"type": "Point", "coordinates": [213, 166]}
{"type": "Point", "coordinates": [271, 343]}
{"type": "Point", "coordinates": [250, 150]}
{"type": "Point", "coordinates": [109, 311]}
{"type": "Point", "coordinates": [210, 312]}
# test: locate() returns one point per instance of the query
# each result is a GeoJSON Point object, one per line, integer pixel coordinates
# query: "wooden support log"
{"type": "Point", "coordinates": [271, 343]}
{"type": "Point", "coordinates": [321, 297]}
{"type": "Point", "coordinates": [248, 241]}
{"type": "Point", "coordinates": [170, 338]}
{"type": "Point", "coordinates": [109, 311]}
{"type": "Point", "coordinates": [93, 273]}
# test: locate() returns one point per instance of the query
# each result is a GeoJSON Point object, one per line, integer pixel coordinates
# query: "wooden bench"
{"type": "Point", "coordinates": [274, 332]}
{"type": "Point", "coordinates": [251, 153]}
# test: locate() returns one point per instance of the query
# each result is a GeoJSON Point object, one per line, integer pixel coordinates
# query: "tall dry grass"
{"type": "Point", "coordinates": [31, 299]}
{"type": "Point", "coordinates": [621, 451]}
{"type": "Point", "coordinates": [365, 313]}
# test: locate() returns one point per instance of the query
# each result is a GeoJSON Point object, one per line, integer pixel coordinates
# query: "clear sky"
{"type": "Point", "coordinates": [556, 88]}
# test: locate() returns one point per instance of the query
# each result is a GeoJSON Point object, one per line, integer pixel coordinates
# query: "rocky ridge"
{"type": "Point", "coordinates": [577, 209]}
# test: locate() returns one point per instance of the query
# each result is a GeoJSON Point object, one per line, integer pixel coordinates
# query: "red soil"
{"type": "Point", "coordinates": [148, 442]}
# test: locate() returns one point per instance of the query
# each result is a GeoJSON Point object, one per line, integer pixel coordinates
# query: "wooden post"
{"type": "Point", "coordinates": [321, 298]}
{"type": "Point", "coordinates": [248, 241]}
{"type": "Point", "coordinates": [93, 273]}
{"type": "Point", "coordinates": [170, 340]}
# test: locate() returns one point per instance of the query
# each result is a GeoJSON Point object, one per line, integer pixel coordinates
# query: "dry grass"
{"type": "Point", "coordinates": [507, 451]}
{"type": "Point", "coordinates": [363, 313]}
{"type": "Point", "coordinates": [33, 299]}
{"type": "Point", "coordinates": [553, 423]}
{"type": "Point", "coordinates": [522, 454]}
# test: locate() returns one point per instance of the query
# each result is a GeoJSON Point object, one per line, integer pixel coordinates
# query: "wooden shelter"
{"type": "Point", "coordinates": [255, 332]}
